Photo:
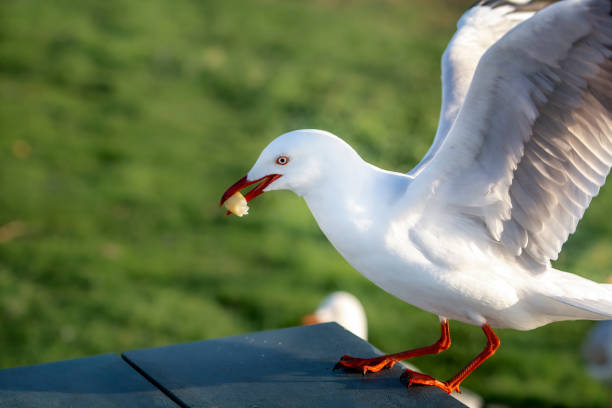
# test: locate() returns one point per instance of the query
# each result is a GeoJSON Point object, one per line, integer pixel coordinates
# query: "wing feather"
{"type": "Point", "coordinates": [532, 143]}
{"type": "Point", "coordinates": [478, 29]}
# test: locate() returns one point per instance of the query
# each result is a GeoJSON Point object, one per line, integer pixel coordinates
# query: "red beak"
{"type": "Point", "coordinates": [310, 319]}
{"type": "Point", "coordinates": [243, 183]}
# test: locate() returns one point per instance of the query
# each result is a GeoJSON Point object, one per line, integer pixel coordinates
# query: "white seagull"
{"type": "Point", "coordinates": [344, 309]}
{"type": "Point", "coordinates": [523, 144]}
{"type": "Point", "coordinates": [597, 352]}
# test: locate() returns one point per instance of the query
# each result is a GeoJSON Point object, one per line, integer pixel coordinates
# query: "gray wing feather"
{"type": "Point", "coordinates": [532, 144]}
{"type": "Point", "coordinates": [479, 28]}
{"type": "Point", "coordinates": [534, 5]}
{"type": "Point", "coordinates": [565, 161]}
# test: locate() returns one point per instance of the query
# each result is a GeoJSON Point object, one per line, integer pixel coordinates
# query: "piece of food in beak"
{"type": "Point", "coordinates": [233, 193]}
{"type": "Point", "coordinates": [237, 204]}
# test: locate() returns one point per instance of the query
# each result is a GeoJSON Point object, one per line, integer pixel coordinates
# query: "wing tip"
{"type": "Point", "coordinates": [601, 308]}
{"type": "Point", "coordinates": [518, 5]}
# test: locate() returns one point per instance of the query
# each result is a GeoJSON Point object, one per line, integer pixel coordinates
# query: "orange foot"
{"type": "Point", "coordinates": [417, 378]}
{"type": "Point", "coordinates": [365, 364]}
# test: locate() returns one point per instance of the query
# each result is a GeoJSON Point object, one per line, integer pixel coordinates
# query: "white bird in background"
{"type": "Point", "coordinates": [523, 144]}
{"type": "Point", "coordinates": [344, 309]}
{"type": "Point", "coordinates": [597, 352]}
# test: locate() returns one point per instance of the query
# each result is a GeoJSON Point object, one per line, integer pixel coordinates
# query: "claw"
{"type": "Point", "coordinates": [340, 364]}
{"type": "Point", "coordinates": [364, 365]}
{"type": "Point", "coordinates": [424, 379]}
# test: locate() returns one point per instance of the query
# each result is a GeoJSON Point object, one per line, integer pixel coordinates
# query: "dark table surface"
{"type": "Point", "coordinates": [101, 381]}
{"type": "Point", "coordinates": [278, 368]}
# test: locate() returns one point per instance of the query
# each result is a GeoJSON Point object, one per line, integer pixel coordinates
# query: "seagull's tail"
{"type": "Point", "coordinates": [580, 298]}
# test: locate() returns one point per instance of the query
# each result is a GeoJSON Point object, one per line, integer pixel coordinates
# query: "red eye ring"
{"type": "Point", "coordinates": [282, 160]}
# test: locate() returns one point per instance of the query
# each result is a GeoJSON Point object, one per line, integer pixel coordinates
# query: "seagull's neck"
{"type": "Point", "coordinates": [354, 202]}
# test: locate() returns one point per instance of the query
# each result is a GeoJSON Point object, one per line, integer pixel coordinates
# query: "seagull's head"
{"type": "Point", "coordinates": [298, 161]}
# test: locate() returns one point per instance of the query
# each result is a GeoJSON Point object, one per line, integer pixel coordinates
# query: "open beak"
{"type": "Point", "coordinates": [244, 183]}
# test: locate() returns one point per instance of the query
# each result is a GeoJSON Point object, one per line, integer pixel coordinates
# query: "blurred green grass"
{"type": "Point", "coordinates": [121, 123]}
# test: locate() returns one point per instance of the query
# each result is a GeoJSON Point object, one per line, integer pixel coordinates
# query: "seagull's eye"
{"type": "Point", "coordinates": [282, 160]}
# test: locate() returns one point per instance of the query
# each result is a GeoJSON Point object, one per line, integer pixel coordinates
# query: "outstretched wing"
{"type": "Point", "coordinates": [479, 28]}
{"type": "Point", "coordinates": [532, 143]}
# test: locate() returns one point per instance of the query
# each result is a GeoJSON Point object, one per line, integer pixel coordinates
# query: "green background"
{"type": "Point", "coordinates": [122, 122]}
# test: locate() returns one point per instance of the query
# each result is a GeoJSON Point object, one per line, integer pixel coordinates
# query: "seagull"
{"type": "Point", "coordinates": [597, 352]}
{"type": "Point", "coordinates": [524, 142]}
{"type": "Point", "coordinates": [344, 309]}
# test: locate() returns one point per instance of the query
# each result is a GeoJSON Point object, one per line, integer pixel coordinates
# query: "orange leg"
{"type": "Point", "coordinates": [376, 364]}
{"type": "Point", "coordinates": [453, 384]}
